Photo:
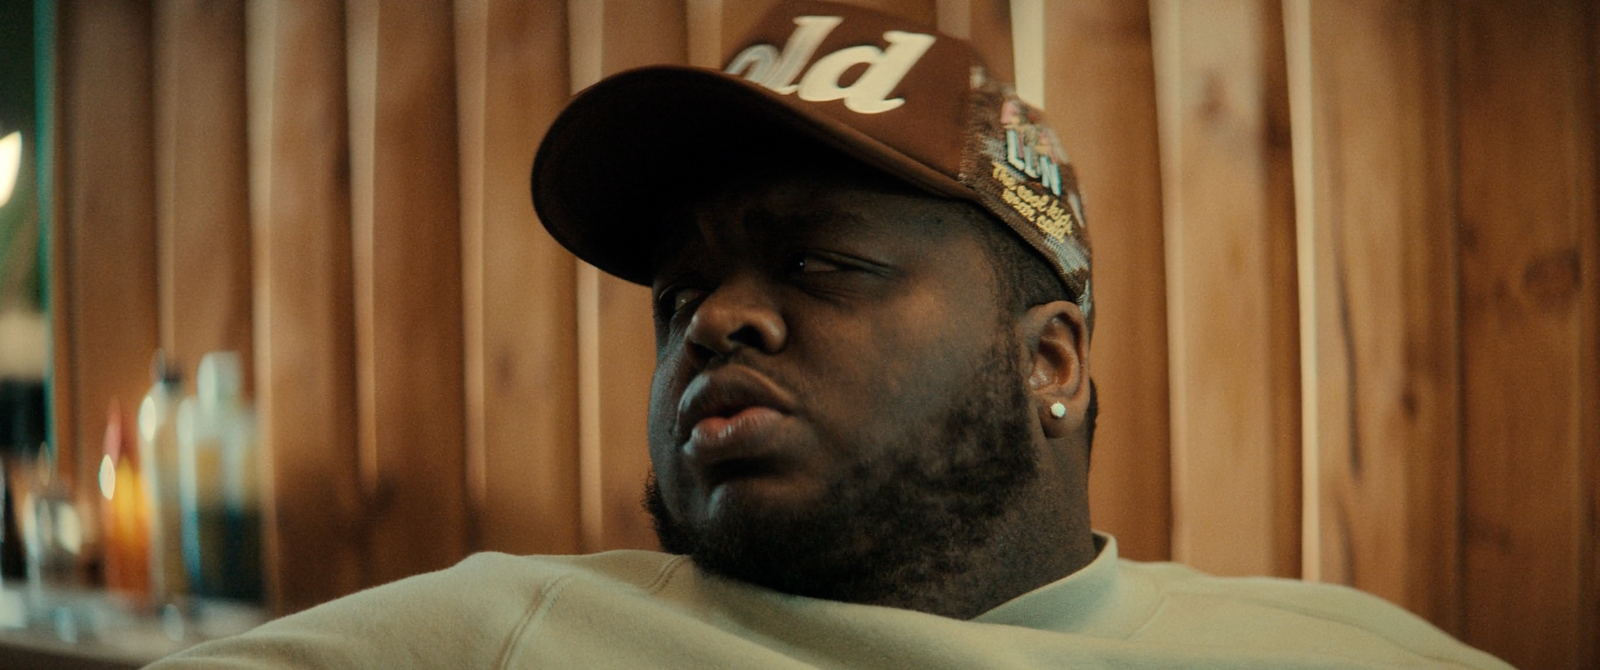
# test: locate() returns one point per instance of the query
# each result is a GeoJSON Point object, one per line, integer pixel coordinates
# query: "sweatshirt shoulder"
{"type": "Point", "coordinates": [1331, 617]}
{"type": "Point", "coordinates": [468, 615]}
{"type": "Point", "coordinates": [639, 568]}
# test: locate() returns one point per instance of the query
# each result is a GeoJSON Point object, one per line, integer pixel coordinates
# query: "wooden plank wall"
{"type": "Point", "coordinates": [520, 316]}
{"type": "Point", "coordinates": [1100, 93]}
{"type": "Point", "coordinates": [1446, 176]}
{"type": "Point", "coordinates": [1528, 211]}
{"type": "Point", "coordinates": [1230, 305]}
{"type": "Point", "coordinates": [405, 219]}
{"type": "Point", "coordinates": [107, 287]}
{"type": "Point", "coordinates": [1346, 264]}
{"type": "Point", "coordinates": [304, 316]}
{"type": "Point", "coordinates": [1378, 232]}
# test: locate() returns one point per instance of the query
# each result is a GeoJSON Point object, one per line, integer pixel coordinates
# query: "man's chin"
{"type": "Point", "coordinates": [745, 532]}
{"type": "Point", "coordinates": [770, 496]}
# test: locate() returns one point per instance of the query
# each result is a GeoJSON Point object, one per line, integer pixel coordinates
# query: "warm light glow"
{"type": "Point", "coordinates": [10, 165]}
{"type": "Point", "coordinates": [69, 530]}
{"type": "Point", "coordinates": [147, 420]}
{"type": "Point", "coordinates": [108, 477]}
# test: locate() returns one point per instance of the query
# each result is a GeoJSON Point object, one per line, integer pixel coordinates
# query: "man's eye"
{"type": "Point", "coordinates": [676, 300]}
{"type": "Point", "coordinates": [811, 263]}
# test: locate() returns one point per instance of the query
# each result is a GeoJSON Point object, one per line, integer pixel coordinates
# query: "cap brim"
{"type": "Point", "coordinates": [626, 153]}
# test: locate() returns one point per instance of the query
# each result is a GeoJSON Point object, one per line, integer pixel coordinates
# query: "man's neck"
{"type": "Point", "coordinates": [1030, 548]}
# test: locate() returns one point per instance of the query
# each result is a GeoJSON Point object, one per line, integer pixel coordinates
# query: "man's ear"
{"type": "Point", "coordinates": [1058, 376]}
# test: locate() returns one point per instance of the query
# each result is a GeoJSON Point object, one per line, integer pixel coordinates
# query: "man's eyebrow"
{"type": "Point", "coordinates": [814, 220]}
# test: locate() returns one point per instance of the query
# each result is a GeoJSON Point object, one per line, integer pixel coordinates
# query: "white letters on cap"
{"type": "Point", "coordinates": [885, 69]}
{"type": "Point", "coordinates": [777, 73]}
{"type": "Point", "coordinates": [763, 64]}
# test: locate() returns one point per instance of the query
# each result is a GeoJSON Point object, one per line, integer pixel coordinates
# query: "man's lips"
{"type": "Point", "coordinates": [716, 434]}
{"type": "Point", "coordinates": [727, 415]}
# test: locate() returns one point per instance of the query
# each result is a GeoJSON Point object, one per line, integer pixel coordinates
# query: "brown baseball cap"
{"type": "Point", "coordinates": [898, 96]}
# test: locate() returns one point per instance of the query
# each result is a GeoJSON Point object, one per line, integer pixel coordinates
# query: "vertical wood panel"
{"type": "Point", "coordinates": [1527, 202]}
{"type": "Point", "coordinates": [586, 28]}
{"type": "Point", "coordinates": [984, 23]}
{"type": "Point", "coordinates": [921, 11]}
{"type": "Point", "coordinates": [1229, 246]}
{"type": "Point", "coordinates": [202, 187]}
{"type": "Point", "coordinates": [521, 326]}
{"type": "Point", "coordinates": [300, 222]}
{"type": "Point", "coordinates": [703, 23]}
{"type": "Point", "coordinates": [406, 211]}
{"type": "Point", "coordinates": [1374, 93]}
{"type": "Point", "coordinates": [107, 217]}
{"type": "Point", "coordinates": [646, 33]}
{"type": "Point", "coordinates": [1027, 49]}
{"type": "Point", "coordinates": [1589, 373]}
{"type": "Point", "coordinates": [1100, 96]}
{"type": "Point", "coordinates": [627, 347]}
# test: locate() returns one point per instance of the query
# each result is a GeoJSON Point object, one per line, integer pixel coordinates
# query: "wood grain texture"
{"type": "Point", "coordinates": [703, 23]}
{"type": "Point", "coordinates": [649, 32]}
{"type": "Point", "coordinates": [407, 260]}
{"type": "Point", "coordinates": [202, 183]}
{"type": "Point", "coordinates": [107, 219]}
{"type": "Point", "coordinates": [1100, 96]}
{"type": "Point", "coordinates": [1385, 363]}
{"type": "Point", "coordinates": [521, 372]}
{"type": "Point", "coordinates": [1528, 213]}
{"type": "Point", "coordinates": [984, 23]}
{"type": "Point", "coordinates": [1589, 372]}
{"type": "Point", "coordinates": [300, 223]}
{"type": "Point", "coordinates": [1230, 299]}
{"type": "Point", "coordinates": [921, 11]}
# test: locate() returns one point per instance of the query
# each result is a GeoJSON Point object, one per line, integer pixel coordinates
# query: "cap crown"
{"type": "Point", "coordinates": [898, 96]}
{"type": "Point", "coordinates": [928, 98]}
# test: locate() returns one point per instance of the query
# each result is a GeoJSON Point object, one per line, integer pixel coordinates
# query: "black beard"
{"type": "Point", "coordinates": [895, 526]}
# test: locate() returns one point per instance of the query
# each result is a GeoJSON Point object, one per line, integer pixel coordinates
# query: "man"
{"type": "Point", "coordinates": [872, 412]}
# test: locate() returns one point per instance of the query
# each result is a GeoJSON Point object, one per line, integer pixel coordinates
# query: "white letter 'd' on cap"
{"type": "Point", "coordinates": [885, 68]}
{"type": "Point", "coordinates": [777, 72]}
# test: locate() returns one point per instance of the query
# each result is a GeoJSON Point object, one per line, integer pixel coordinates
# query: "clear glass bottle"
{"type": "Point", "coordinates": [158, 474]}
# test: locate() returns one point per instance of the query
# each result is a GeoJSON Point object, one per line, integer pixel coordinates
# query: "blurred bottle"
{"type": "Point", "coordinates": [158, 477]}
{"type": "Point", "coordinates": [54, 532]}
{"type": "Point", "coordinates": [124, 519]}
{"type": "Point", "coordinates": [22, 432]}
{"type": "Point", "coordinates": [218, 469]}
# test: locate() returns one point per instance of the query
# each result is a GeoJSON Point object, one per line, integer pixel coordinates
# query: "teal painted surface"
{"type": "Point", "coordinates": [44, 80]}
{"type": "Point", "coordinates": [44, 49]}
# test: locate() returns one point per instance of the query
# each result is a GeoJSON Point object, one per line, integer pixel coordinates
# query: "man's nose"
{"type": "Point", "coordinates": [739, 313]}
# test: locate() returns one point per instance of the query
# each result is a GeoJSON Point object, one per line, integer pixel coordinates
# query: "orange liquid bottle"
{"type": "Point", "coordinates": [124, 513]}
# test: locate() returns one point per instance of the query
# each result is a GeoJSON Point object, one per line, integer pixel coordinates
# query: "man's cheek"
{"type": "Point", "coordinates": [666, 388]}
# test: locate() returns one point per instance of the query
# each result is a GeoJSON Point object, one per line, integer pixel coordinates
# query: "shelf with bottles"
{"type": "Point", "coordinates": [167, 535]}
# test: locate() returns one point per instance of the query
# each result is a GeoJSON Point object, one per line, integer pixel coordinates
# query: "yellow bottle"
{"type": "Point", "coordinates": [124, 518]}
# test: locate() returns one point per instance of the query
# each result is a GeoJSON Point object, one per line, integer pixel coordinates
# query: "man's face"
{"type": "Point", "coordinates": [838, 404]}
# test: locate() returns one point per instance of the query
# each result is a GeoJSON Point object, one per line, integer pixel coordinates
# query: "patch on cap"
{"type": "Point", "coordinates": [1015, 164]}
